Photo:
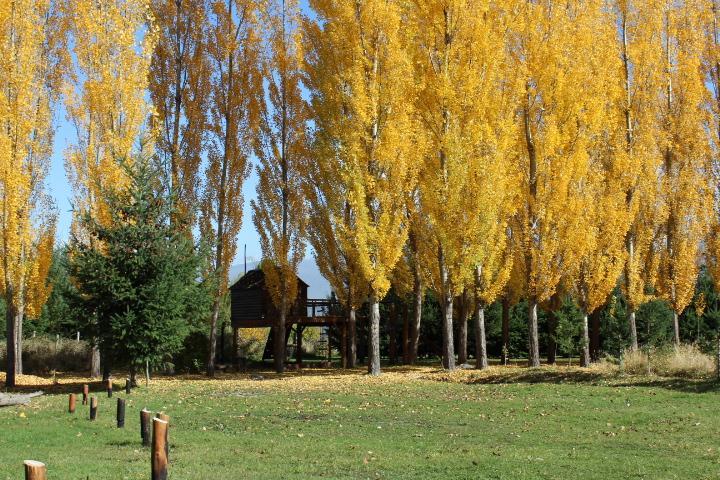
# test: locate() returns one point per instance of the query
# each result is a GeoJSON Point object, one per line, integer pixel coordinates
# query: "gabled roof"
{"type": "Point", "coordinates": [255, 279]}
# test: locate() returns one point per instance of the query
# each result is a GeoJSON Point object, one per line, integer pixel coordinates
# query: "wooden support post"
{"type": "Point", "coordinates": [93, 408]}
{"type": "Point", "coordinates": [159, 457]}
{"type": "Point", "coordinates": [109, 388]}
{"type": "Point", "coordinates": [86, 391]}
{"type": "Point", "coordinates": [298, 346]}
{"type": "Point", "coordinates": [120, 413]}
{"type": "Point", "coordinates": [128, 386]}
{"type": "Point", "coordinates": [35, 470]}
{"type": "Point", "coordinates": [145, 427]}
{"type": "Point", "coordinates": [71, 403]}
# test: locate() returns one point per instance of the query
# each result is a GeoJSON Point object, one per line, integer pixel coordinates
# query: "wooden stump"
{"type": "Point", "coordinates": [166, 418]}
{"type": "Point", "coordinates": [145, 427]}
{"type": "Point", "coordinates": [35, 470]}
{"type": "Point", "coordinates": [109, 388]}
{"type": "Point", "coordinates": [159, 456]}
{"type": "Point", "coordinates": [71, 403]}
{"type": "Point", "coordinates": [93, 408]}
{"type": "Point", "coordinates": [86, 391]}
{"type": "Point", "coordinates": [120, 413]}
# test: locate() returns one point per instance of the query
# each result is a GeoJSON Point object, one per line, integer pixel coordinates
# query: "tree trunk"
{"type": "Point", "coordinates": [210, 367]}
{"type": "Point", "coordinates": [418, 295]}
{"type": "Point", "coordinates": [505, 330]}
{"type": "Point", "coordinates": [280, 341]}
{"type": "Point", "coordinates": [19, 316]}
{"type": "Point", "coordinates": [446, 302]}
{"type": "Point", "coordinates": [352, 339]}
{"type": "Point", "coordinates": [585, 354]}
{"type": "Point", "coordinates": [481, 360]}
{"type": "Point", "coordinates": [463, 330]}
{"type": "Point", "coordinates": [595, 335]}
{"type": "Point", "coordinates": [633, 330]}
{"type": "Point", "coordinates": [374, 340]}
{"type": "Point", "coordinates": [11, 352]}
{"type": "Point", "coordinates": [676, 328]}
{"type": "Point", "coordinates": [552, 338]}
{"type": "Point", "coordinates": [95, 360]}
{"type": "Point", "coordinates": [533, 343]}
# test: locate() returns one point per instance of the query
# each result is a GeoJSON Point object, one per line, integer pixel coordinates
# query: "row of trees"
{"type": "Point", "coordinates": [479, 149]}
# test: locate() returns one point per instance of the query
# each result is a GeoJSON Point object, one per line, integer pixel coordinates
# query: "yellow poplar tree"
{"type": "Point", "coordinates": [234, 47]}
{"type": "Point", "coordinates": [712, 69]}
{"type": "Point", "coordinates": [279, 213]}
{"type": "Point", "coordinates": [556, 57]}
{"type": "Point", "coordinates": [373, 142]}
{"type": "Point", "coordinates": [639, 24]}
{"type": "Point", "coordinates": [179, 87]}
{"type": "Point", "coordinates": [30, 75]}
{"type": "Point", "coordinates": [464, 109]}
{"type": "Point", "coordinates": [106, 98]}
{"type": "Point", "coordinates": [686, 155]}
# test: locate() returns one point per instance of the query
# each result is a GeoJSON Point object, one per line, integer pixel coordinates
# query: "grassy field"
{"type": "Point", "coordinates": [508, 423]}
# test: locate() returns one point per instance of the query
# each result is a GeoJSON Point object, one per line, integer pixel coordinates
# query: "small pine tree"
{"type": "Point", "coordinates": [137, 275]}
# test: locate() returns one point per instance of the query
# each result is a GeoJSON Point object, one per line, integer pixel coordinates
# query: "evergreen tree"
{"type": "Point", "coordinates": [137, 276]}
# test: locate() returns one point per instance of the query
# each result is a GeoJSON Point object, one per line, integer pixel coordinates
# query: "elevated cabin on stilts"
{"type": "Point", "coordinates": [252, 307]}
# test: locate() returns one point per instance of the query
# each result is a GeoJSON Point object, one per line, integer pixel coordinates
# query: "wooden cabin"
{"type": "Point", "coordinates": [252, 307]}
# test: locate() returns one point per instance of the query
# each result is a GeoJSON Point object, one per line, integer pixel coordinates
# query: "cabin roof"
{"type": "Point", "coordinates": [256, 279]}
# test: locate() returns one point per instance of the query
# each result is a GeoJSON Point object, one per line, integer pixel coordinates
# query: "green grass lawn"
{"type": "Point", "coordinates": [509, 423]}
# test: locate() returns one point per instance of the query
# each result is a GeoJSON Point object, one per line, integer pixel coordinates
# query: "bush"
{"type": "Point", "coordinates": [686, 361]}
{"type": "Point", "coordinates": [42, 355]}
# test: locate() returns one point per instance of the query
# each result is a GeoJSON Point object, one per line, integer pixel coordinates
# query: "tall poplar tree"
{"type": "Point", "coordinates": [234, 48]}
{"type": "Point", "coordinates": [372, 141]}
{"type": "Point", "coordinates": [639, 24]}
{"type": "Point", "coordinates": [686, 155]}
{"type": "Point", "coordinates": [179, 89]}
{"type": "Point", "coordinates": [30, 75]}
{"type": "Point", "coordinates": [559, 116]}
{"type": "Point", "coordinates": [279, 213]}
{"type": "Point", "coordinates": [106, 98]}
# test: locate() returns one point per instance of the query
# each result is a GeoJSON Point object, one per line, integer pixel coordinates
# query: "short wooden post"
{"type": "Point", "coordinates": [86, 391]}
{"type": "Point", "coordinates": [166, 418]}
{"type": "Point", "coordinates": [120, 413]}
{"type": "Point", "coordinates": [128, 386]}
{"type": "Point", "coordinates": [71, 403]}
{"type": "Point", "coordinates": [35, 470]}
{"type": "Point", "coordinates": [145, 427]}
{"type": "Point", "coordinates": [159, 457]}
{"type": "Point", "coordinates": [109, 388]}
{"type": "Point", "coordinates": [93, 408]}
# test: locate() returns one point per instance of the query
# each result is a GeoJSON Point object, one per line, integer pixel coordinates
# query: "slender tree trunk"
{"type": "Point", "coordinates": [505, 330]}
{"type": "Point", "coordinates": [374, 340]}
{"type": "Point", "coordinates": [552, 338]}
{"type": "Point", "coordinates": [19, 316]}
{"type": "Point", "coordinates": [481, 360]}
{"type": "Point", "coordinates": [210, 367]}
{"type": "Point", "coordinates": [352, 338]}
{"type": "Point", "coordinates": [446, 302]}
{"type": "Point", "coordinates": [463, 330]}
{"type": "Point", "coordinates": [279, 339]}
{"type": "Point", "coordinates": [11, 363]}
{"type": "Point", "coordinates": [585, 354]}
{"type": "Point", "coordinates": [676, 328]}
{"type": "Point", "coordinates": [95, 371]}
{"type": "Point", "coordinates": [595, 335]}
{"type": "Point", "coordinates": [633, 331]}
{"type": "Point", "coordinates": [418, 294]}
{"type": "Point", "coordinates": [533, 344]}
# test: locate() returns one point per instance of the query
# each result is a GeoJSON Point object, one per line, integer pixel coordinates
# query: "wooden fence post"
{"type": "Point", "coordinates": [93, 408]}
{"type": "Point", "coordinates": [86, 391]}
{"type": "Point", "coordinates": [159, 457]}
{"type": "Point", "coordinates": [71, 403]}
{"type": "Point", "coordinates": [145, 427]}
{"type": "Point", "coordinates": [35, 470]}
{"type": "Point", "coordinates": [165, 418]}
{"type": "Point", "coordinates": [120, 413]}
{"type": "Point", "coordinates": [109, 388]}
